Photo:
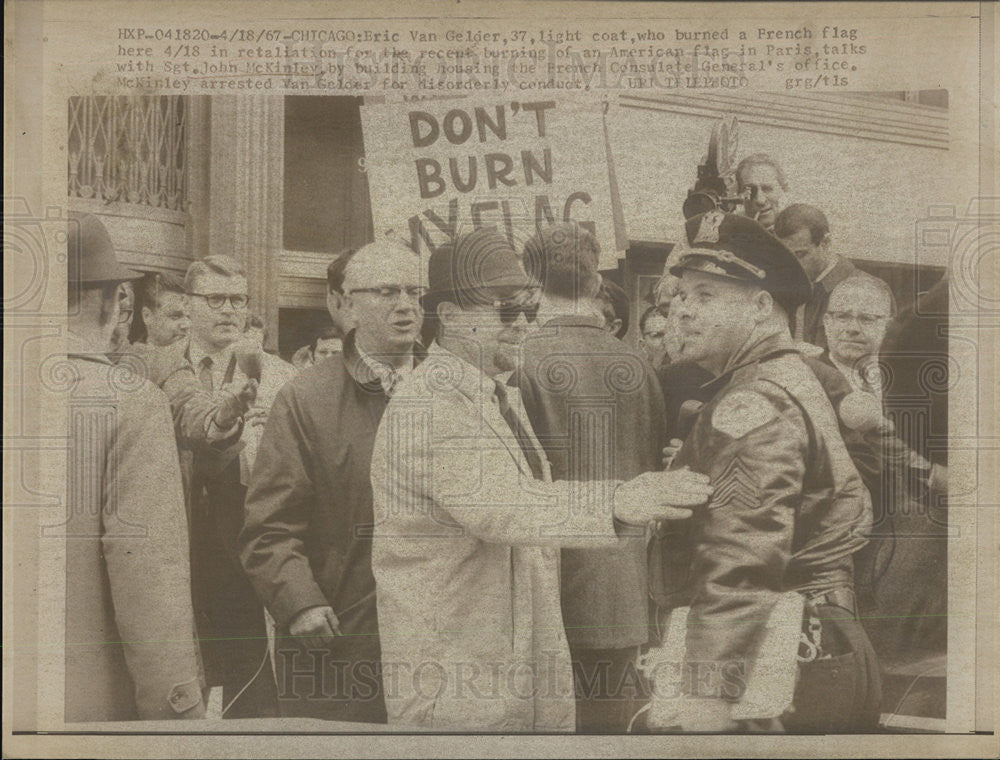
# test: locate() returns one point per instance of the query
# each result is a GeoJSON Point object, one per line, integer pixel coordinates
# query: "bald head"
{"type": "Point", "coordinates": [856, 318]}
{"type": "Point", "coordinates": [382, 286]}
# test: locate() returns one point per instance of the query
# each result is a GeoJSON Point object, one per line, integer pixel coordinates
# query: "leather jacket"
{"type": "Point", "coordinates": [788, 511]}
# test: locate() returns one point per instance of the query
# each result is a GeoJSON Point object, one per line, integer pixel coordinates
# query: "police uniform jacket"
{"type": "Point", "coordinates": [788, 510]}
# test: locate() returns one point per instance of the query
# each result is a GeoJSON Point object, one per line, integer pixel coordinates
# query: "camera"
{"type": "Point", "coordinates": [709, 194]}
{"type": "Point", "coordinates": [716, 186]}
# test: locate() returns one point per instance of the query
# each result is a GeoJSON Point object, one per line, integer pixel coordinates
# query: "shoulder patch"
{"type": "Point", "coordinates": [742, 411]}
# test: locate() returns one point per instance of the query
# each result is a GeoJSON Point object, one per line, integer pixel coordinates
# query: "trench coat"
{"type": "Point", "coordinates": [131, 651]}
{"type": "Point", "coordinates": [466, 559]}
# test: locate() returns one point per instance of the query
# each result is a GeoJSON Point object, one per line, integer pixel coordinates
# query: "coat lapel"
{"type": "Point", "coordinates": [492, 417]}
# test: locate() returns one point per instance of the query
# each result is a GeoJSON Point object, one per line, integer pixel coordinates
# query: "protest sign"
{"type": "Point", "coordinates": [441, 168]}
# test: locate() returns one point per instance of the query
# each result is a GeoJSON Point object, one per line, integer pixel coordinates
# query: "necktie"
{"type": "Point", "coordinates": [205, 373]}
{"type": "Point", "coordinates": [799, 323]}
{"type": "Point", "coordinates": [520, 432]}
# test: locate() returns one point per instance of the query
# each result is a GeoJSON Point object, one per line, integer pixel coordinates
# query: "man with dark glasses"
{"type": "Point", "coordinates": [468, 523]}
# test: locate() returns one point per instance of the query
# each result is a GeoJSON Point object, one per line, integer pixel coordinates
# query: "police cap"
{"type": "Point", "coordinates": [738, 248]}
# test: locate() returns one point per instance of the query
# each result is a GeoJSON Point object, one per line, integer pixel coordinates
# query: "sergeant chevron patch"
{"type": "Point", "coordinates": [735, 487]}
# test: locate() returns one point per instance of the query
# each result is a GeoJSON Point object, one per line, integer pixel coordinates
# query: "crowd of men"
{"type": "Point", "coordinates": [470, 505]}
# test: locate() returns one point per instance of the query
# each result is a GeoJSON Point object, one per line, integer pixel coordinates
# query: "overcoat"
{"type": "Point", "coordinates": [466, 559]}
{"type": "Point", "coordinates": [130, 638]}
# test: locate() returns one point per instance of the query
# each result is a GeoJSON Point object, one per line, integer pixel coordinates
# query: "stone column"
{"type": "Point", "coordinates": [246, 193]}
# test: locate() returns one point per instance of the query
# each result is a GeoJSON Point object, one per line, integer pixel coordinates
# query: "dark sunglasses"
{"type": "Point", "coordinates": [510, 310]}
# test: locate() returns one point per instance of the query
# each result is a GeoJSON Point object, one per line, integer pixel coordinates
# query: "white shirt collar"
{"type": "Point", "coordinates": [218, 357]}
{"type": "Point", "coordinates": [387, 375]}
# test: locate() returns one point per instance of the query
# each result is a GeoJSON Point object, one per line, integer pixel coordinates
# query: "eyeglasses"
{"type": "Point", "coordinates": [865, 320]}
{"type": "Point", "coordinates": [510, 310]}
{"type": "Point", "coordinates": [392, 292]}
{"type": "Point", "coordinates": [217, 300]}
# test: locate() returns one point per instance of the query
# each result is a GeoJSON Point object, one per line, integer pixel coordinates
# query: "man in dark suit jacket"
{"type": "Point", "coordinates": [806, 232]}
{"type": "Point", "coordinates": [596, 407]}
{"type": "Point", "coordinates": [307, 537]}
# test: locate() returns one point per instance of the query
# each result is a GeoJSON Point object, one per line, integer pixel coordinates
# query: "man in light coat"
{"type": "Point", "coordinates": [130, 647]}
{"type": "Point", "coordinates": [468, 524]}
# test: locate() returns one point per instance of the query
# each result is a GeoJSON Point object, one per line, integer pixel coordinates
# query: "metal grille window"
{"type": "Point", "coordinates": [129, 149]}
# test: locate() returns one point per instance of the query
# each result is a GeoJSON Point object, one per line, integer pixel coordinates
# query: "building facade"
{"type": "Point", "coordinates": [280, 181]}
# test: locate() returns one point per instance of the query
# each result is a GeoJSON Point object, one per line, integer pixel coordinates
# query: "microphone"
{"type": "Point", "coordinates": [861, 412]}
{"type": "Point", "coordinates": [686, 417]}
{"type": "Point", "coordinates": [249, 361]}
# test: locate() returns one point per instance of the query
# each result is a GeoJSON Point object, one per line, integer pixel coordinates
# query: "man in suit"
{"type": "Point", "coordinates": [130, 647]}
{"type": "Point", "coordinates": [855, 320]}
{"type": "Point", "coordinates": [159, 351]}
{"type": "Point", "coordinates": [806, 232]}
{"type": "Point", "coordinates": [597, 409]}
{"type": "Point", "coordinates": [468, 523]}
{"type": "Point", "coordinates": [761, 180]}
{"type": "Point", "coordinates": [306, 542]}
{"type": "Point", "coordinates": [230, 617]}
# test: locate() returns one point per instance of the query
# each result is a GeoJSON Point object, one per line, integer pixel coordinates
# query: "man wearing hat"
{"type": "Point", "coordinates": [130, 647]}
{"type": "Point", "coordinates": [598, 411]}
{"type": "Point", "coordinates": [788, 510]}
{"type": "Point", "coordinates": [468, 524]}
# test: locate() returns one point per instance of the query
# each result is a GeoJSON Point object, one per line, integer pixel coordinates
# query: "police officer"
{"type": "Point", "coordinates": [789, 509]}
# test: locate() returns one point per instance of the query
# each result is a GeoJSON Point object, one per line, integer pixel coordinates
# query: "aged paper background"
{"type": "Point", "coordinates": [57, 50]}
